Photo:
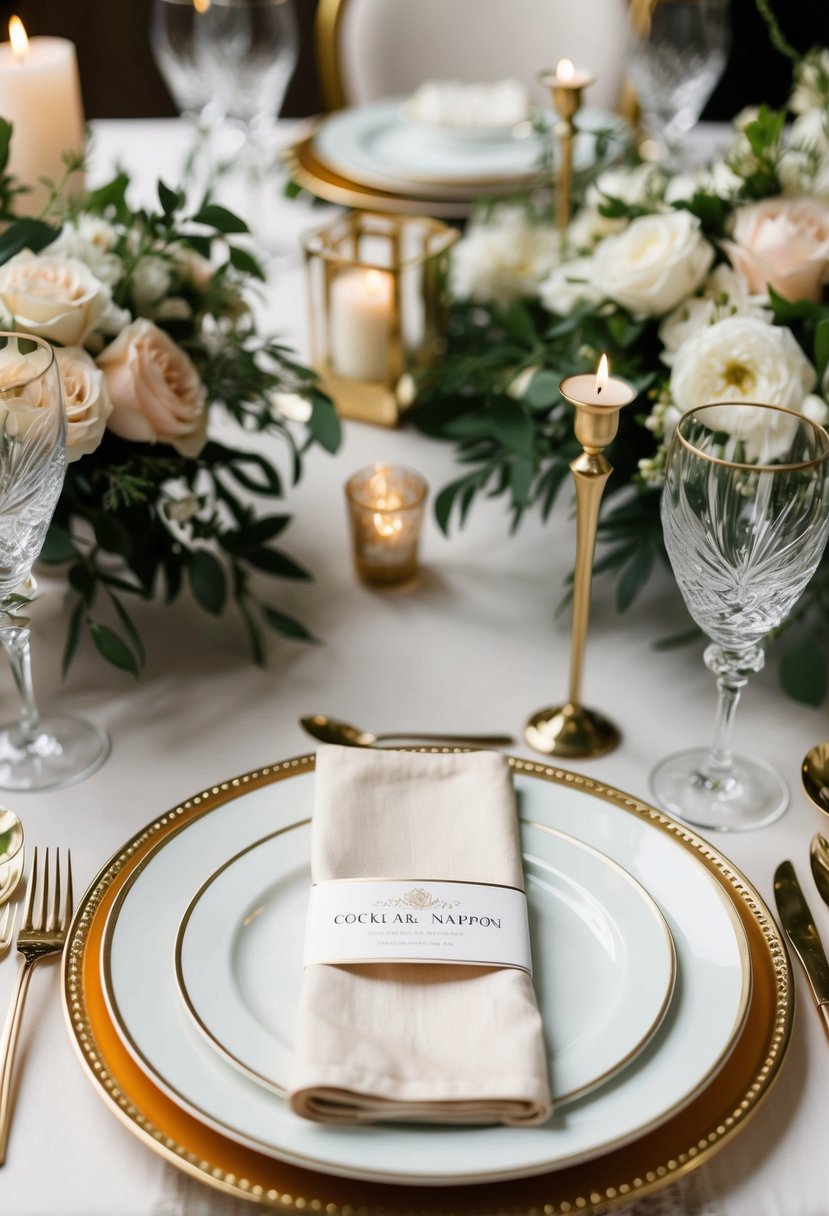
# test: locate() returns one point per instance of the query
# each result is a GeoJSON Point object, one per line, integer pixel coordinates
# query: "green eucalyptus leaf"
{"type": "Point", "coordinates": [288, 626]}
{"type": "Point", "coordinates": [634, 576]}
{"type": "Point", "coordinates": [274, 562]}
{"type": "Point", "coordinates": [240, 259]}
{"type": "Point", "coordinates": [519, 324]}
{"type": "Point", "coordinates": [58, 546]}
{"type": "Point", "coordinates": [511, 424]}
{"type": "Point", "coordinates": [224, 221]}
{"type": "Point", "coordinates": [170, 200]}
{"type": "Point", "coordinates": [543, 390]}
{"type": "Point", "coordinates": [6, 130]}
{"type": "Point", "coordinates": [803, 671]}
{"type": "Point", "coordinates": [25, 234]}
{"type": "Point", "coordinates": [822, 347]}
{"type": "Point", "coordinates": [113, 648]}
{"type": "Point", "coordinates": [324, 423]}
{"type": "Point", "coordinates": [207, 581]}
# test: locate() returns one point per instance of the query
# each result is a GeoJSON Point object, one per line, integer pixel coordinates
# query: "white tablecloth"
{"type": "Point", "coordinates": [476, 645]}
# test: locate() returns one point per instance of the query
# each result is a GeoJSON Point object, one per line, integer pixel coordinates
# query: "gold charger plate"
{"type": "Point", "coordinates": [647, 1164]}
{"type": "Point", "coordinates": [314, 175]}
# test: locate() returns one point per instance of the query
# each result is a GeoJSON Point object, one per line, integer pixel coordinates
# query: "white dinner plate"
{"type": "Point", "coordinates": [374, 144]}
{"type": "Point", "coordinates": [597, 937]}
{"type": "Point", "coordinates": [693, 1041]}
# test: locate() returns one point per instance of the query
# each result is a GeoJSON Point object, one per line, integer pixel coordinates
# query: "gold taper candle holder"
{"type": "Point", "coordinates": [571, 729]}
{"type": "Point", "coordinates": [566, 84]}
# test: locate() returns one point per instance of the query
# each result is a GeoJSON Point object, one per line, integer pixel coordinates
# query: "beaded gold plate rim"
{"type": "Point", "coordinates": [649, 1163]}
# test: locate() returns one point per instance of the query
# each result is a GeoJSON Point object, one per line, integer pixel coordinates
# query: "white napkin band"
{"type": "Point", "coordinates": [380, 920]}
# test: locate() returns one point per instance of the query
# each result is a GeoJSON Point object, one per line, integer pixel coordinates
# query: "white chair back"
{"type": "Point", "coordinates": [380, 48]}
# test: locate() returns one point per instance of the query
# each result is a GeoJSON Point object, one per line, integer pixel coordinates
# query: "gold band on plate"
{"type": "Point", "coordinates": [647, 1164]}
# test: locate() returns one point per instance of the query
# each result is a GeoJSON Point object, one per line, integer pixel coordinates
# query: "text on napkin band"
{"type": "Point", "coordinates": [379, 920]}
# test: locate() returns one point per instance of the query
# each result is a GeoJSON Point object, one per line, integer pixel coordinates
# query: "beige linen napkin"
{"type": "Point", "coordinates": [430, 1042]}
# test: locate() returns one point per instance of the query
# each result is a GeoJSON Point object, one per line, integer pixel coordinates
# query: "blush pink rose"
{"type": "Point", "coordinates": [157, 394]}
{"type": "Point", "coordinates": [782, 243]}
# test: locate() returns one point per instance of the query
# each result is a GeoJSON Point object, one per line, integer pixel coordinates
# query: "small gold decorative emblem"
{"type": "Point", "coordinates": [416, 898]}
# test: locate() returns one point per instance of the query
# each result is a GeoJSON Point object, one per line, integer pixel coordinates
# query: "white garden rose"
{"type": "Point", "coordinates": [811, 76]}
{"type": "Point", "coordinates": [744, 359]}
{"type": "Point", "coordinates": [157, 394]}
{"type": "Point", "coordinates": [655, 263]}
{"type": "Point", "coordinates": [506, 257]}
{"type": "Point", "coordinates": [570, 284]}
{"type": "Point", "coordinates": [815, 407]}
{"type": "Point", "coordinates": [86, 401]}
{"type": "Point", "coordinates": [725, 293]}
{"type": "Point", "coordinates": [91, 240]}
{"type": "Point", "coordinates": [57, 298]}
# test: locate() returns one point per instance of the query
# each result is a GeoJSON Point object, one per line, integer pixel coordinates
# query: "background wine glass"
{"type": "Point", "coordinates": [677, 54]}
{"type": "Point", "coordinates": [35, 752]}
{"type": "Point", "coordinates": [229, 62]}
{"type": "Point", "coordinates": [745, 513]}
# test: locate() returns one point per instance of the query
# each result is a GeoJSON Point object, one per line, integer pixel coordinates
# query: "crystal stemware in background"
{"type": "Point", "coordinates": [745, 513]}
{"type": "Point", "coordinates": [677, 53]}
{"type": "Point", "coordinates": [35, 752]}
{"type": "Point", "coordinates": [228, 62]}
{"type": "Point", "coordinates": [178, 46]}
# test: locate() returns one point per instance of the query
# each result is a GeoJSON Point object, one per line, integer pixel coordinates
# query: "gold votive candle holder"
{"type": "Point", "coordinates": [378, 299]}
{"type": "Point", "coordinates": [385, 507]}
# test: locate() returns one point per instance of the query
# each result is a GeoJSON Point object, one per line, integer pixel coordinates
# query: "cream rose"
{"type": "Point", "coordinates": [26, 400]}
{"type": "Point", "coordinates": [157, 395]}
{"type": "Point", "coordinates": [55, 297]}
{"type": "Point", "coordinates": [654, 264]}
{"type": "Point", "coordinates": [86, 401]}
{"type": "Point", "coordinates": [782, 243]}
{"type": "Point", "coordinates": [506, 257]}
{"type": "Point", "coordinates": [744, 359]}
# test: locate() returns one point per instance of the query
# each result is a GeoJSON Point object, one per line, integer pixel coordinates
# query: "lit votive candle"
{"type": "Point", "coordinates": [361, 317]}
{"type": "Point", "coordinates": [40, 95]}
{"type": "Point", "coordinates": [568, 76]}
{"type": "Point", "coordinates": [599, 389]}
{"type": "Point", "coordinates": [385, 505]}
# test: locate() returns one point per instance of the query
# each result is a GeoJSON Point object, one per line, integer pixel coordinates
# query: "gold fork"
{"type": "Point", "coordinates": [41, 934]}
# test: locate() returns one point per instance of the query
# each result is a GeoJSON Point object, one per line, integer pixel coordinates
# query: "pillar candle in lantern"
{"type": "Point", "coordinates": [361, 317]}
{"type": "Point", "coordinates": [40, 95]}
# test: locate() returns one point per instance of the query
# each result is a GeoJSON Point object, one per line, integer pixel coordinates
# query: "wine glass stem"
{"type": "Point", "coordinates": [16, 643]}
{"type": "Point", "coordinates": [732, 669]}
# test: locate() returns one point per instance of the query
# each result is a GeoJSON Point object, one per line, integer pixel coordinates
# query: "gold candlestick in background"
{"type": "Point", "coordinates": [571, 729]}
{"type": "Point", "coordinates": [566, 85]}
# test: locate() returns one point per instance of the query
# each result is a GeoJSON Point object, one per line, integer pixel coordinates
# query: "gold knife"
{"type": "Point", "coordinates": [801, 931]}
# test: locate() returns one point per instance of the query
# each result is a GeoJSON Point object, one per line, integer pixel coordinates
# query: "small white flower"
{"type": "Point", "coordinates": [744, 359]}
{"type": "Point", "coordinates": [151, 281]}
{"type": "Point", "coordinates": [816, 409]}
{"type": "Point", "coordinates": [182, 510]}
{"type": "Point", "coordinates": [405, 390]}
{"type": "Point", "coordinates": [91, 240]}
{"type": "Point", "coordinates": [655, 263]}
{"type": "Point", "coordinates": [811, 76]}
{"type": "Point", "coordinates": [291, 406]}
{"type": "Point", "coordinates": [504, 258]}
{"type": "Point", "coordinates": [570, 284]}
{"type": "Point", "coordinates": [519, 384]}
{"type": "Point", "coordinates": [725, 293]}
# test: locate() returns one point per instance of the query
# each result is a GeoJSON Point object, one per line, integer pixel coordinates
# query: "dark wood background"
{"type": "Point", "coordinates": [120, 80]}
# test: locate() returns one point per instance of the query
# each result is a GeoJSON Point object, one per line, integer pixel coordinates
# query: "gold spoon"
{"type": "Point", "coordinates": [819, 855]}
{"type": "Point", "coordinates": [332, 730]}
{"type": "Point", "coordinates": [815, 775]}
{"type": "Point", "coordinates": [11, 853]}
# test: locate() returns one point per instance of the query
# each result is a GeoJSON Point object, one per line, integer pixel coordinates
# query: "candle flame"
{"type": "Point", "coordinates": [566, 69]}
{"type": "Point", "coordinates": [19, 38]}
{"type": "Point", "coordinates": [374, 282]}
{"type": "Point", "coordinates": [601, 374]}
{"type": "Point", "coordinates": [201, 6]}
{"type": "Point", "coordinates": [387, 528]}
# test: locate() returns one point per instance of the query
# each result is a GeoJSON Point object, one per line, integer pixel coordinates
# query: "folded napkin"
{"type": "Point", "coordinates": [429, 1042]}
{"type": "Point", "coordinates": [457, 104]}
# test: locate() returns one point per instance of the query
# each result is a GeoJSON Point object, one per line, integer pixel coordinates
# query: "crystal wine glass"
{"type": "Point", "coordinates": [745, 513]}
{"type": "Point", "coordinates": [35, 753]}
{"type": "Point", "coordinates": [677, 54]}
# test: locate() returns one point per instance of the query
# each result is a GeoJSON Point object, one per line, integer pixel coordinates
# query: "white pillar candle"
{"type": "Point", "coordinates": [40, 95]}
{"type": "Point", "coordinates": [361, 312]}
